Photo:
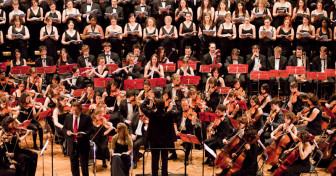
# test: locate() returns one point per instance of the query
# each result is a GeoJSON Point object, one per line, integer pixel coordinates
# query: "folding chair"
{"type": "Point", "coordinates": [318, 155]}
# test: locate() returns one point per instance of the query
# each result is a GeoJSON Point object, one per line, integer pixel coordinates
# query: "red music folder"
{"type": "Point", "coordinates": [25, 123]}
{"type": "Point", "coordinates": [190, 80]}
{"type": "Point", "coordinates": [207, 116]}
{"type": "Point", "coordinates": [208, 68]}
{"type": "Point", "coordinates": [157, 82]}
{"type": "Point", "coordinates": [260, 75]}
{"type": "Point", "coordinates": [223, 90]}
{"type": "Point", "coordinates": [44, 70]}
{"type": "Point", "coordinates": [293, 70]}
{"type": "Point", "coordinates": [242, 105]}
{"type": "Point", "coordinates": [238, 68]}
{"type": "Point", "coordinates": [189, 138]}
{"type": "Point", "coordinates": [85, 108]}
{"type": "Point", "coordinates": [78, 92]}
{"type": "Point", "coordinates": [279, 73]}
{"type": "Point", "coordinates": [112, 67]}
{"type": "Point", "coordinates": [40, 100]}
{"type": "Point", "coordinates": [192, 64]}
{"type": "Point", "coordinates": [125, 63]}
{"type": "Point", "coordinates": [45, 114]}
{"type": "Point", "coordinates": [3, 65]}
{"type": "Point", "coordinates": [317, 76]}
{"type": "Point", "coordinates": [331, 72]}
{"type": "Point", "coordinates": [14, 103]}
{"type": "Point", "coordinates": [63, 69]}
{"type": "Point", "coordinates": [169, 67]}
{"type": "Point", "coordinates": [20, 70]}
{"type": "Point", "coordinates": [101, 82]}
{"type": "Point", "coordinates": [133, 83]}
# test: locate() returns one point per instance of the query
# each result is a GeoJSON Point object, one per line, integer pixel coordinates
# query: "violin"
{"type": "Point", "coordinates": [294, 97]}
{"type": "Point", "coordinates": [333, 107]}
{"type": "Point", "coordinates": [19, 130]}
{"type": "Point", "coordinates": [8, 81]}
{"type": "Point", "coordinates": [252, 112]}
{"type": "Point", "coordinates": [115, 92]}
{"type": "Point", "coordinates": [190, 114]}
{"type": "Point", "coordinates": [240, 93]}
{"type": "Point", "coordinates": [262, 97]}
{"type": "Point", "coordinates": [304, 111]}
{"type": "Point", "coordinates": [214, 125]}
{"type": "Point", "coordinates": [66, 108]}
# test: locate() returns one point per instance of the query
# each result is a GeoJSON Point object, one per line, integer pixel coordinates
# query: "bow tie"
{"type": "Point", "coordinates": [114, 7]}
{"type": "Point", "coordinates": [143, 6]}
{"type": "Point", "coordinates": [87, 57]}
{"type": "Point", "coordinates": [278, 58]}
{"type": "Point", "coordinates": [44, 58]}
{"type": "Point", "coordinates": [299, 58]}
{"type": "Point", "coordinates": [107, 54]}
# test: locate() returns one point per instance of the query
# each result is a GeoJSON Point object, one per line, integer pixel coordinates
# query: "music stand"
{"type": "Point", "coordinates": [223, 90]}
{"type": "Point", "coordinates": [331, 73]}
{"type": "Point", "coordinates": [192, 64]}
{"type": "Point", "coordinates": [133, 84]}
{"type": "Point", "coordinates": [279, 74]}
{"type": "Point", "coordinates": [294, 70]}
{"type": "Point", "coordinates": [189, 139]}
{"type": "Point", "coordinates": [207, 116]}
{"type": "Point", "coordinates": [259, 75]}
{"type": "Point", "coordinates": [238, 68]}
{"type": "Point", "coordinates": [157, 82]}
{"type": "Point", "coordinates": [47, 69]}
{"type": "Point", "coordinates": [101, 82]}
{"type": "Point", "coordinates": [25, 123]}
{"type": "Point", "coordinates": [169, 67]}
{"type": "Point", "coordinates": [65, 69]}
{"type": "Point", "coordinates": [318, 76]}
{"type": "Point", "coordinates": [190, 80]}
{"type": "Point", "coordinates": [208, 68]}
{"type": "Point", "coordinates": [78, 92]}
{"type": "Point", "coordinates": [112, 67]}
{"type": "Point", "coordinates": [3, 65]}
{"type": "Point", "coordinates": [45, 114]}
{"type": "Point", "coordinates": [20, 70]}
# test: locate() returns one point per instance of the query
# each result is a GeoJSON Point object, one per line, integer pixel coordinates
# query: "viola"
{"type": "Point", "coordinates": [214, 125]}
{"type": "Point", "coordinates": [326, 145]}
{"type": "Point", "coordinates": [262, 97]}
{"type": "Point", "coordinates": [189, 114]}
{"type": "Point", "coordinates": [304, 111]}
{"type": "Point", "coordinates": [240, 93]}
{"type": "Point", "coordinates": [115, 92]}
{"type": "Point", "coordinates": [8, 81]}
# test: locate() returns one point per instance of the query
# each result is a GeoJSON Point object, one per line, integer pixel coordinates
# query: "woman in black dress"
{"type": "Point", "coordinates": [247, 36]}
{"type": "Point", "coordinates": [305, 33]}
{"type": "Point", "coordinates": [187, 33]}
{"type": "Point", "coordinates": [267, 34]}
{"type": "Point", "coordinates": [71, 41]}
{"type": "Point", "coordinates": [220, 14]}
{"type": "Point", "coordinates": [259, 13]}
{"type": "Point", "coordinates": [265, 98]}
{"type": "Point", "coordinates": [55, 15]}
{"type": "Point", "coordinates": [120, 151]}
{"type": "Point", "coordinates": [34, 23]}
{"type": "Point", "coordinates": [150, 37]}
{"type": "Point", "coordinates": [60, 112]}
{"type": "Point", "coordinates": [281, 9]}
{"type": "Point", "coordinates": [49, 37]}
{"type": "Point", "coordinates": [285, 36]}
{"type": "Point", "coordinates": [185, 70]}
{"type": "Point", "coordinates": [64, 58]}
{"type": "Point", "coordinates": [167, 35]}
{"type": "Point", "coordinates": [100, 135]}
{"type": "Point", "coordinates": [323, 34]}
{"type": "Point", "coordinates": [19, 42]}
{"type": "Point", "coordinates": [317, 14]}
{"type": "Point", "coordinates": [206, 32]}
{"type": "Point", "coordinates": [227, 34]}
{"type": "Point", "coordinates": [71, 14]}
{"type": "Point", "coordinates": [181, 11]}
{"type": "Point", "coordinates": [299, 11]}
{"type": "Point", "coordinates": [111, 99]}
{"type": "Point", "coordinates": [113, 34]}
{"type": "Point", "coordinates": [101, 71]}
{"type": "Point", "coordinates": [132, 33]}
{"type": "Point", "coordinates": [93, 35]}
{"type": "Point", "coordinates": [314, 117]}
{"type": "Point", "coordinates": [28, 112]}
{"type": "Point", "coordinates": [153, 69]}
{"type": "Point", "coordinates": [17, 59]}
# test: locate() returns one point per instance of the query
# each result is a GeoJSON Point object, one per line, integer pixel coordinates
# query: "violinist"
{"type": "Point", "coordinates": [305, 149]}
{"type": "Point", "coordinates": [195, 102]}
{"type": "Point", "coordinates": [34, 82]}
{"type": "Point", "coordinates": [232, 107]}
{"type": "Point", "coordinates": [100, 135]}
{"type": "Point", "coordinates": [175, 89]}
{"type": "Point", "coordinates": [166, 96]}
{"type": "Point", "coordinates": [3, 109]}
{"type": "Point", "coordinates": [275, 118]}
{"type": "Point", "coordinates": [314, 117]}
{"type": "Point", "coordinates": [295, 103]}
{"type": "Point", "coordinates": [215, 72]}
{"type": "Point", "coordinates": [146, 93]}
{"type": "Point", "coordinates": [212, 96]}
{"type": "Point", "coordinates": [185, 70]}
{"type": "Point", "coordinates": [55, 80]}
{"type": "Point", "coordinates": [22, 84]}
{"type": "Point", "coordinates": [248, 165]}
{"type": "Point", "coordinates": [98, 103]}
{"type": "Point", "coordinates": [285, 130]}
{"type": "Point", "coordinates": [28, 111]}
{"type": "Point", "coordinates": [60, 112]}
{"type": "Point", "coordinates": [219, 130]}
{"type": "Point", "coordinates": [50, 103]}
{"type": "Point", "coordinates": [5, 83]}
{"type": "Point", "coordinates": [76, 81]}
{"type": "Point", "coordinates": [255, 113]}
{"type": "Point", "coordinates": [185, 124]}
{"type": "Point", "coordinates": [234, 59]}
{"type": "Point", "coordinates": [87, 97]}
{"type": "Point", "coordinates": [238, 90]}
{"type": "Point", "coordinates": [138, 132]}
{"type": "Point", "coordinates": [110, 97]}
{"type": "Point", "coordinates": [26, 159]}
{"type": "Point", "coordinates": [265, 98]}
{"type": "Point", "coordinates": [7, 168]}
{"type": "Point", "coordinates": [128, 108]}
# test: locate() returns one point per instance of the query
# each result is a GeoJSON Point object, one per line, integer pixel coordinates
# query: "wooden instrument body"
{"type": "Point", "coordinates": [290, 159]}
{"type": "Point", "coordinates": [276, 148]}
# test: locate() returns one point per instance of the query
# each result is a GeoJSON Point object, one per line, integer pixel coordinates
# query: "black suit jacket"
{"type": "Point", "coordinates": [213, 101]}
{"type": "Point", "coordinates": [120, 12]}
{"type": "Point", "coordinates": [282, 63]}
{"type": "Point", "coordinates": [113, 56]}
{"type": "Point", "coordinates": [135, 73]}
{"type": "Point", "coordinates": [81, 61]}
{"type": "Point", "coordinates": [83, 9]}
{"type": "Point", "coordinates": [293, 61]}
{"type": "Point", "coordinates": [80, 84]}
{"type": "Point", "coordinates": [207, 60]}
{"type": "Point", "coordinates": [123, 110]}
{"type": "Point", "coordinates": [85, 125]}
{"type": "Point", "coordinates": [229, 60]}
{"type": "Point", "coordinates": [316, 64]}
{"type": "Point", "coordinates": [250, 62]}
{"type": "Point", "coordinates": [161, 125]}
{"type": "Point", "coordinates": [160, 17]}
{"type": "Point", "coordinates": [49, 61]}
{"type": "Point", "coordinates": [191, 59]}
{"type": "Point", "coordinates": [143, 20]}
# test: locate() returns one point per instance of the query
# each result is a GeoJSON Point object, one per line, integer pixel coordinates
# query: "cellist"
{"type": "Point", "coordinates": [220, 129]}
{"type": "Point", "coordinates": [305, 149]}
{"type": "Point", "coordinates": [331, 103]}
{"type": "Point", "coordinates": [295, 102]}
{"type": "Point", "coordinates": [286, 128]}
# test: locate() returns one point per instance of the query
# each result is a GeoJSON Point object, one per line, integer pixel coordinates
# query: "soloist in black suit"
{"type": "Point", "coordinates": [282, 66]}
{"type": "Point", "coordinates": [120, 12]}
{"type": "Point", "coordinates": [81, 148]}
{"type": "Point", "coordinates": [81, 61]}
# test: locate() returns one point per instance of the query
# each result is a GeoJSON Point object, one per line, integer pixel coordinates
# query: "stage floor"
{"type": "Point", "coordinates": [62, 164]}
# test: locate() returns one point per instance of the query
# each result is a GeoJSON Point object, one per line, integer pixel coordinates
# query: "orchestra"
{"type": "Point", "coordinates": [251, 82]}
